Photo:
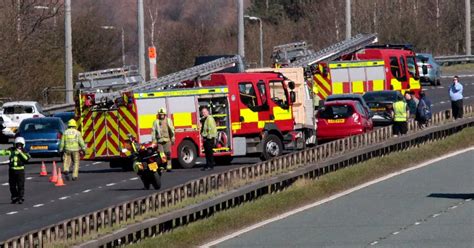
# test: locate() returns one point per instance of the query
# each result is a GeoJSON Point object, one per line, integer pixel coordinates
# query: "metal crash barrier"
{"type": "Point", "coordinates": [255, 180]}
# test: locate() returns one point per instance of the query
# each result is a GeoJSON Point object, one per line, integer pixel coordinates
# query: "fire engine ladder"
{"type": "Point", "coordinates": [108, 73]}
{"type": "Point", "coordinates": [329, 53]}
{"type": "Point", "coordinates": [187, 74]}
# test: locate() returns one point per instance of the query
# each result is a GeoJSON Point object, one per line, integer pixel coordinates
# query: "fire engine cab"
{"type": "Point", "coordinates": [253, 113]}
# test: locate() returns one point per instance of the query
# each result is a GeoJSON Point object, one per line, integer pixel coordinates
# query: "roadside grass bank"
{"type": "Point", "coordinates": [304, 192]}
{"type": "Point", "coordinates": [457, 69]}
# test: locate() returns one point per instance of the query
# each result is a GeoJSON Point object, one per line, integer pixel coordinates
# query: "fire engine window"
{"type": "Point", "coordinates": [263, 92]}
{"type": "Point", "coordinates": [394, 67]}
{"type": "Point", "coordinates": [411, 66]}
{"type": "Point", "coordinates": [402, 64]}
{"type": "Point", "coordinates": [248, 95]}
{"type": "Point", "coordinates": [278, 94]}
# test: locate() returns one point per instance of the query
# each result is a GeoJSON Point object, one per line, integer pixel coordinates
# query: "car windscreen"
{"type": "Point", "coordinates": [40, 126]}
{"type": "Point", "coordinates": [336, 112]}
{"type": "Point", "coordinates": [19, 109]}
{"type": "Point", "coordinates": [380, 97]}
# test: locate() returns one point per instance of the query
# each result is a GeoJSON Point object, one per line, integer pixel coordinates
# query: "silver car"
{"type": "Point", "coordinates": [429, 70]}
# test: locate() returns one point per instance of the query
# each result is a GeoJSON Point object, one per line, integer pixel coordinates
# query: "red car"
{"type": "Point", "coordinates": [340, 119]}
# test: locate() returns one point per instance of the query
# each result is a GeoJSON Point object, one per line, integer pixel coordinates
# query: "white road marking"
{"type": "Point", "coordinates": [87, 165]}
{"type": "Point", "coordinates": [29, 178]}
{"type": "Point", "coordinates": [63, 198]}
{"type": "Point", "coordinates": [99, 187]}
{"type": "Point", "coordinates": [38, 205]}
{"type": "Point", "coordinates": [470, 199]}
{"type": "Point", "coordinates": [442, 102]}
{"type": "Point", "coordinates": [13, 212]}
{"type": "Point", "coordinates": [4, 162]}
{"type": "Point", "coordinates": [374, 243]}
{"type": "Point", "coordinates": [87, 191]}
{"type": "Point", "coordinates": [441, 87]}
{"type": "Point", "coordinates": [417, 223]}
{"type": "Point", "coordinates": [96, 162]}
{"type": "Point", "coordinates": [395, 233]}
{"type": "Point", "coordinates": [110, 184]}
{"type": "Point", "coordinates": [436, 215]}
{"type": "Point", "coordinates": [453, 207]}
{"type": "Point", "coordinates": [467, 97]}
{"type": "Point", "coordinates": [4, 184]}
{"type": "Point", "coordinates": [134, 178]}
{"type": "Point", "coordinates": [331, 198]}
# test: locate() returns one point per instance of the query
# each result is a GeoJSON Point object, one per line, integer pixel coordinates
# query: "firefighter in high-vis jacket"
{"type": "Point", "coordinates": [16, 171]}
{"type": "Point", "coordinates": [72, 145]}
{"type": "Point", "coordinates": [162, 134]}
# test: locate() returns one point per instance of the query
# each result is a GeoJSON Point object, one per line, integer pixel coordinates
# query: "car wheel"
{"type": "Point", "coordinates": [187, 154]}
{"type": "Point", "coordinates": [272, 147]}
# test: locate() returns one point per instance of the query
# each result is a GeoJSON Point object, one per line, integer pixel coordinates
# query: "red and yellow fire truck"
{"type": "Point", "coordinates": [253, 112]}
{"type": "Point", "coordinates": [357, 66]}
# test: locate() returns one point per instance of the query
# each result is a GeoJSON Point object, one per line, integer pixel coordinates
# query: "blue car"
{"type": "Point", "coordinates": [42, 135]}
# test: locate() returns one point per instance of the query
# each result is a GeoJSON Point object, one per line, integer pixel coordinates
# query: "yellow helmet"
{"type": "Point", "coordinates": [162, 111]}
{"type": "Point", "coordinates": [72, 123]}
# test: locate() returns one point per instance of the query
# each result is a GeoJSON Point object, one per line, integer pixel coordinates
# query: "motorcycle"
{"type": "Point", "coordinates": [147, 162]}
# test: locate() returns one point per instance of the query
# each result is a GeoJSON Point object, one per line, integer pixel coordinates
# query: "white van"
{"type": "Point", "coordinates": [18, 111]}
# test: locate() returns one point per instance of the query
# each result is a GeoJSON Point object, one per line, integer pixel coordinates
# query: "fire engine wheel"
{"type": "Point", "coordinates": [187, 154]}
{"type": "Point", "coordinates": [272, 147]}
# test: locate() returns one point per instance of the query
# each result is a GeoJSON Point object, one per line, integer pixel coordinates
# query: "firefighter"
{"type": "Point", "coordinates": [209, 134]}
{"type": "Point", "coordinates": [16, 172]}
{"type": "Point", "coordinates": [163, 135]}
{"type": "Point", "coordinates": [72, 146]}
{"type": "Point", "coordinates": [400, 117]}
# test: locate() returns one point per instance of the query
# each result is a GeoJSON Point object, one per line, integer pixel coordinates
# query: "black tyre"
{"type": "Point", "coordinates": [187, 154]}
{"type": "Point", "coordinates": [145, 181]}
{"type": "Point", "coordinates": [223, 160]}
{"type": "Point", "coordinates": [155, 180]}
{"type": "Point", "coordinates": [432, 83]}
{"type": "Point", "coordinates": [438, 82]}
{"type": "Point", "coordinates": [272, 147]}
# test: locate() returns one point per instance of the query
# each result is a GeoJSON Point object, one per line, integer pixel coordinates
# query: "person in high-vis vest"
{"type": "Point", "coordinates": [162, 134]}
{"type": "Point", "coordinates": [72, 145]}
{"type": "Point", "coordinates": [16, 172]}
{"type": "Point", "coordinates": [400, 117]}
{"type": "Point", "coordinates": [209, 135]}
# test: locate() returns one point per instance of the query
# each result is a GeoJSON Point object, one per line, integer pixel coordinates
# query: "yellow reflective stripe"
{"type": "Point", "coordinates": [182, 119]}
{"type": "Point", "coordinates": [261, 124]}
{"type": "Point", "coordinates": [236, 126]}
{"type": "Point", "coordinates": [358, 87]}
{"type": "Point", "coordinates": [378, 85]}
{"type": "Point", "coordinates": [356, 64]}
{"type": "Point", "coordinates": [249, 115]}
{"type": "Point", "coordinates": [396, 85]}
{"type": "Point", "coordinates": [146, 121]}
{"type": "Point", "coordinates": [323, 81]}
{"type": "Point", "coordinates": [186, 92]}
{"type": "Point", "coordinates": [112, 124]}
{"type": "Point", "coordinates": [322, 92]}
{"type": "Point", "coordinates": [337, 88]}
{"type": "Point", "coordinates": [414, 84]}
{"type": "Point", "coordinates": [281, 114]}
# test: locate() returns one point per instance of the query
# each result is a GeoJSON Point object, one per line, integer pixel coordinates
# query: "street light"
{"type": "Point", "coordinates": [254, 18]}
{"type": "Point", "coordinates": [123, 41]}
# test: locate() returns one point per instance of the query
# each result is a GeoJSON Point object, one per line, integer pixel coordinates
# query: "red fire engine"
{"type": "Point", "coordinates": [253, 112]}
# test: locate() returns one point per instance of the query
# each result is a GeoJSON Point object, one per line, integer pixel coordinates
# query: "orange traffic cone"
{"type": "Point", "coordinates": [43, 172]}
{"type": "Point", "coordinates": [60, 179]}
{"type": "Point", "coordinates": [54, 176]}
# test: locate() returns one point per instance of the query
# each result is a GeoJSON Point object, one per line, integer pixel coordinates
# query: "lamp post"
{"type": "Point", "coordinates": [254, 18]}
{"type": "Point", "coordinates": [123, 40]}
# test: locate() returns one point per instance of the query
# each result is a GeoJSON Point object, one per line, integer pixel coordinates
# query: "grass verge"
{"type": "Point", "coordinates": [305, 192]}
{"type": "Point", "coordinates": [457, 69]}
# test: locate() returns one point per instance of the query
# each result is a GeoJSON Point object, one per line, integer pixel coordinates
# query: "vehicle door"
{"type": "Point", "coordinates": [249, 107]}
{"type": "Point", "coordinates": [280, 107]}
{"type": "Point", "coordinates": [413, 74]}
{"type": "Point", "coordinates": [396, 74]}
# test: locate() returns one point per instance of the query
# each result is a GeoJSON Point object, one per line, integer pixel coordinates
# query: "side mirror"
{"type": "Point", "coordinates": [292, 96]}
{"type": "Point", "coordinates": [291, 85]}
